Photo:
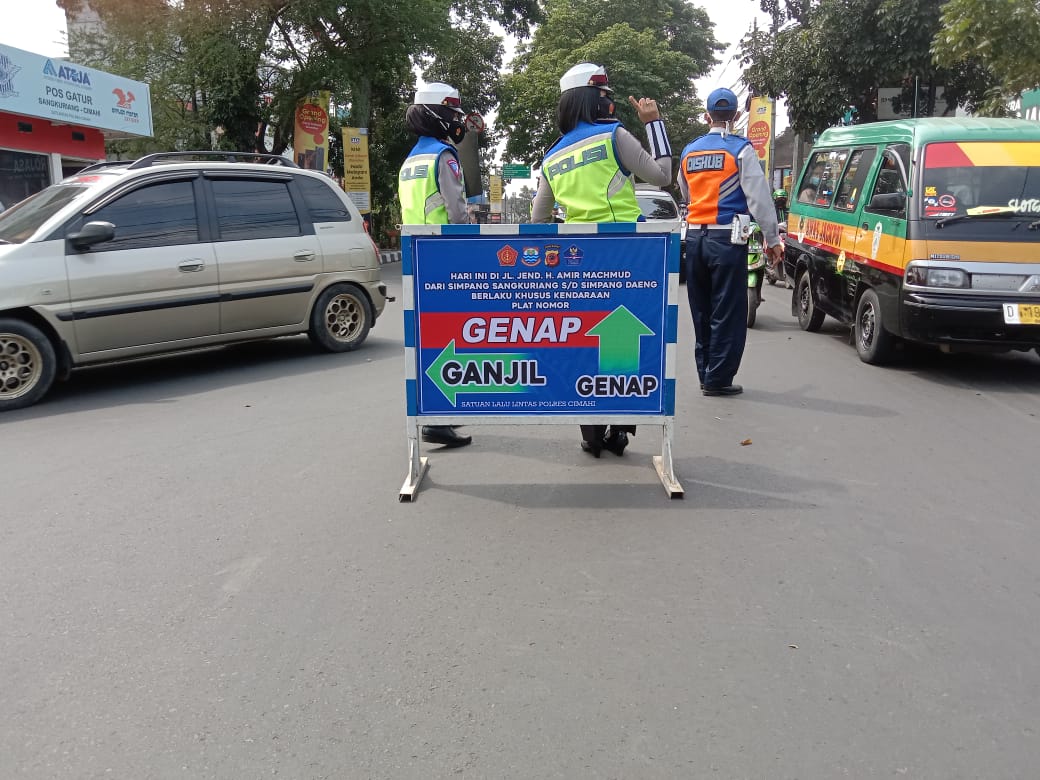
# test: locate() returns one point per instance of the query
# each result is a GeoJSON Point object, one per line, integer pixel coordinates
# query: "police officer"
{"type": "Point", "coordinates": [431, 187]}
{"type": "Point", "coordinates": [720, 178]}
{"type": "Point", "coordinates": [602, 189]}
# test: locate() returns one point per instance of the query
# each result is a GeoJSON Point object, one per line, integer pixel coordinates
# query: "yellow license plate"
{"type": "Point", "coordinates": [1022, 313]}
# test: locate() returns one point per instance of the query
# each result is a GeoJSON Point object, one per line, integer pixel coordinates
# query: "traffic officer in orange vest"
{"type": "Point", "coordinates": [600, 189]}
{"type": "Point", "coordinates": [721, 180]}
{"type": "Point", "coordinates": [430, 185]}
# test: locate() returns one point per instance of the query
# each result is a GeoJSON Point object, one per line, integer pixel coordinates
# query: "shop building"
{"type": "Point", "coordinates": [55, 117]}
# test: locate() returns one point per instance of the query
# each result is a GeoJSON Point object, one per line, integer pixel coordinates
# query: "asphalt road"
{"type": "Point", "coordinates": [205, 572]}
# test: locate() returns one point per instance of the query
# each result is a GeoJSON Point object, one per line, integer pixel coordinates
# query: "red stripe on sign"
{"type": "Point", "coordinates": [946, 155]}
{"type": "Point", "coordinates": [509, 330]}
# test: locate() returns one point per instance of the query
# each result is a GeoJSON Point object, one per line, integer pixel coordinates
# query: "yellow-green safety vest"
{"type": "Point", "coordinates": [587, 178]}
{"type": "Point", "coordinates": [417, 187]}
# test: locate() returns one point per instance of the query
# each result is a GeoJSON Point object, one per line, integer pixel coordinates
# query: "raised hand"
{"type": "Point", "coordinates": [646, 108]}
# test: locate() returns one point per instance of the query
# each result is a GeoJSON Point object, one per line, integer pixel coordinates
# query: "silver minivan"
{"type": "Point", "coordinates": [176, 251]}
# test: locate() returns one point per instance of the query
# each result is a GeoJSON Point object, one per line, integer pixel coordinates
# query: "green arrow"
{"type": "Point", "coordinates": [619, 333]}
{"type": "Point", "coordinates": [448, 354]}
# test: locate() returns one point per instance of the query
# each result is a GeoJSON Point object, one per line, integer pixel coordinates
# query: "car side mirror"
{"type": "Point", "coordinates": [92, 233]}
{"type": "Point", "coordinates": [889, 201]}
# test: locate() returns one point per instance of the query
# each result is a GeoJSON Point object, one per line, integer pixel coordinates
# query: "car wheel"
{"type": "Point", "coordinates": [873, 343]}
{"type": "Point", "coordinates": [27, 364]}
{"type": "Point", "coordinates": [752, 306]}
{"type": "Point", "coordinates": [809, 317]}
{"type": "Point", "coordinates": [341, 318]}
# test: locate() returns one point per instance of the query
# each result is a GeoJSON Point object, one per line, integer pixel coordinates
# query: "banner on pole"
{"type": "Point", "coordinates": [311, 133]}
{"type": "Point", "coordinates": [357, 181]}
{"type": "Point", "coordinates": [761, 121]}
{"type": "Point", "coordinates": [495, 193]}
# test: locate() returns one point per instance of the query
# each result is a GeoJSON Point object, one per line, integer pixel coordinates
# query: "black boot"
{"type": "Point", "coordinates": [616, 442]}
{"type": "Point", "coordinates": [594, 448]}
{"type": "Point", "coordinates": [444, 435]}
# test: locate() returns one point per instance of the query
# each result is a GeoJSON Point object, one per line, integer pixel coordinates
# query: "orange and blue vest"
{"type": "Point", "coordinates": [588, 179]}
{"type": "Point", "coordinates": [711, 167]}
{"type": "Point", "coordinates": [417, 185]}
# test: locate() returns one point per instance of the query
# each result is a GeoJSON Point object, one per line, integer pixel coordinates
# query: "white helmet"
{"type": "Point", "coordinates": [437, 93]}
{"type": "Point", "coordinates": [585, 74]}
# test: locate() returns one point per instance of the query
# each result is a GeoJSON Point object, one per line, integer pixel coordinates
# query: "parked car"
{"type": "Point", "coordinates": [174, 251]}
{"type": "Point", "coordinates": [924, 230]}
{"type": "Point", "coordinates": [658, 205]}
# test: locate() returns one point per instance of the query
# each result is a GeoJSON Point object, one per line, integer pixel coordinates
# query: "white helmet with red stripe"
{"type": "Point", "coordinates": [585, 74]}
{"type": "Point", "coordinates": [437, 93]}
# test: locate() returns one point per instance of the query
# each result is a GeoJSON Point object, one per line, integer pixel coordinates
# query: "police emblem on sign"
{"type": "Point", "coordinates": [507, 256]}
{"type": "Point", "coordinates": [552, 255]}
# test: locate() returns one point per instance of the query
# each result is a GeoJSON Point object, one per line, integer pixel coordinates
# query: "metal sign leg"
{"type": "Point", "coordinates": [663, 464]}
{"type": "Point", "coordinates": [417, 465]}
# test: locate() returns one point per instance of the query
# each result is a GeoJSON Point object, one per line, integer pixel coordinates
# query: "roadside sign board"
{"type": "Point", "coordinates": [537, 324]}
{"type": "Point", "coordinates": [540, 323]}
{"type": "Point", "coordinates": [516, 171]}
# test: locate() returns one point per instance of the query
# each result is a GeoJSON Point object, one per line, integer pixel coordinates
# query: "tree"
{"type": "Point", "coordinates": [827, 55]}
{"type": "Point", "coordinates": [231, 70]}
{"type": "Point", "coordinates": [999, 34]}
{"type": "Point", "coordinates": [653, 48]}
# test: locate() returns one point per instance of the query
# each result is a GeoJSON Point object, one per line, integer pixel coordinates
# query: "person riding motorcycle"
{"type": "Point", "coordinates": [780, 203]}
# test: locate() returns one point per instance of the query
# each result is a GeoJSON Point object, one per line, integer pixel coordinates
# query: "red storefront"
{"type": "Point", "coordinates": [55, 117]}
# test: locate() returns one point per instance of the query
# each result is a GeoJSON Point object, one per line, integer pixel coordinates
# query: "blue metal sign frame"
{"type": "Point", "coordinates": [540, 324]}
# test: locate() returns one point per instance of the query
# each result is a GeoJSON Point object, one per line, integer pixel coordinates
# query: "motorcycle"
{"type": "Point", "coordinates": [757, 268]}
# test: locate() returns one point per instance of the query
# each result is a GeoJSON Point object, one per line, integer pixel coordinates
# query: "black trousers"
{"type": "Point", "coordinates": [716, 287]}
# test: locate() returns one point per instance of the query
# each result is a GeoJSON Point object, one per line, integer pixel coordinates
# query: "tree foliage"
{"type": "Point", "coordinates": [827, 55]}
{"type": "Point", "coordinates": [239, 68]}
{"type": "Point", "coordinates": [651, 48]}
{"type": "Point", "coordinates": [1001, 34]}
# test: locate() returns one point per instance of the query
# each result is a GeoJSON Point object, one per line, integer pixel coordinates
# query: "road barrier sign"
{"type": "Point", "coordinates": [537, 324]}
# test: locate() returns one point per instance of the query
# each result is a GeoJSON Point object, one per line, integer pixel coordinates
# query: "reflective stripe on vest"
{"type": "Point", "coordinates": [587, 179]}
{"type": "Point", "coordinates": [417, 187]}
{"type": "Point", "coordinates": [711, 167]}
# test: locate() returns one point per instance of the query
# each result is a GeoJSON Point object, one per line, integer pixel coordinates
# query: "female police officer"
{"type": "Point", "coordinates": [431, 187]}
{"type": "Point", "coordinates": [601, 190]}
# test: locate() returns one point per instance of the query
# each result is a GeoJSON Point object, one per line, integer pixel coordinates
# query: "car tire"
{"type": "Point", "coordinates": [28, 364]}
{"type": "Point", "coordinates": [341, 318]}
{"type": "Point", "coordinates": [809, 317]}
{"type": "Point", "coordinates": [752, 306]}
{"type": "Point", "coordinates": [874, 344]}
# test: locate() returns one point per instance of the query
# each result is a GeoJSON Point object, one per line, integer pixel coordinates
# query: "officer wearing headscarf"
{"type": "Point", "coordinates": [431, 186]}
{"type": "Point", "coordinates": [601, 189]}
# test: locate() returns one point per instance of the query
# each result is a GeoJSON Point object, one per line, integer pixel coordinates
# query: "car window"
{"type": "Point", "coordinates": [22, 220]}
{"type": "Point", "coordinates": [654, 206]}
{"type": "Point", "coordinates": [890, 181]}
{"type": "Point", "coordinates": [254, 208]}
{"type": "Point", "coordinates": [322, 203]}
{"type": "Point", "coordinates": [821, 176]}
{"type": "Point", "coordinates": [850, 191]}
{"type": "Point", "coordinates": [161, 214]}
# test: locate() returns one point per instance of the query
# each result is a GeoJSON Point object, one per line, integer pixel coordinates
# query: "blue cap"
{"type": "Point", "coordinates": [722, 99]}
